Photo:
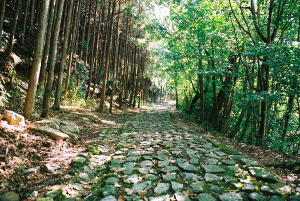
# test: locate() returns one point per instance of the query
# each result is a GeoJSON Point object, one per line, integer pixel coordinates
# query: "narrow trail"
{"type": "Point", "coordinates": [147, 156]}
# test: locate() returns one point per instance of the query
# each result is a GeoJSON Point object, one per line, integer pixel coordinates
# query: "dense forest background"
{"type": "Point", "coordinates": [231, 65]}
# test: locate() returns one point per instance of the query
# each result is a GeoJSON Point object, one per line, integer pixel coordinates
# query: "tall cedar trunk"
{"type": "Point", "coordinates": [288, 113]}
{"type": "Point", "coordinates": [37, 13]}
{"type": "Point", "coordinates": [25, 21]}
{"type": "Point", "coordinates": [47, 43]}
{"type": "Point", "coordinates": [2, 12]}
{"type": "Point", "coordinates": [201, 87]}
{"type": "Point", "coordinates": [133, 75]}
{"type": "Point", "coordinates": [127, 65]}
{"type": "Point", "coordinates": [72, 42]}
{"type": "Point", "coordinates": [98, 46]}
{"type": "Point", "coordinates": [84, 27]}
{"type": "Point", "coordinates": [88, 35]}
{"type": "Point", "coordinates": [114, 63]}
{"type": "Point", "coordinates": [63, 57]}
{"type": "Point", "coordinates": [92, 53]}
{"type": "Point", "coordinates": [35, 70]}
{"type": "Point", "coordinates": [141, 99]}
{"type": "Point", "coordinates": [54, 39]}
{"type": "Point", "coordinates": [177, 98]}
{"type": "Point", "coordinates": [13, 26]}
{"type": "Point", "coordinates": [109, 38]}
{"type": "Point", "coordinates": [32, 15]}
{"type": "Point", "coordinates": [122, 86]}
{"type": "Point", "coordinates": [215, 100]}
{"type": "Point", "coordinates": [137, 79]}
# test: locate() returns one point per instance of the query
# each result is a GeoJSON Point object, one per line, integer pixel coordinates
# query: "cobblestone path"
{"type": "Point", "coordinates": [148, 157]}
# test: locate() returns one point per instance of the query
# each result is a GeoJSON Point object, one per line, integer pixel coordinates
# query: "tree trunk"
{"type": "Point", "coordinates": [92, 53]}
{"type": "Point", "coordinates": [47, 43]}
{"type": "Point", "coordinates": [133, 75]}
{"type": "Point", "coordinates": [63, 57]}
{"type": "Point", "coordinates": [201, 87]}
{"type": "Point", "coordinates": [35, 70]}
{"type": "Point", "coordinates": [177, 98]}
{"type": "Point", "coordinates": [117, 51]}
{"type": "Point", "coordinates": [32, 15]}
{"type": "Point", "coordinates": [287, 115]}
{"type": "Point", "coordinates": [109, 38]}
{"type": "Point", "coordinates": [264, 86]}
{"type": "Point", "coordinates": [122, 86]}
{"type": "Point", "coordinates": [54, 39]}
{"type": "Point", "coordinates": [25, 21]}
{"type": "Point", "coordinates": [72, 43]}
{"type": "Point", "coordinates": [2, 12]}
{"type": "Point", "coordinates": [13, 26]}
{"type": "Point", "coordinates": [136, 87]}
{"type": "Point", "coordinates": [88, 35]}
{"type": "Point", "coordinates": [84, 27]}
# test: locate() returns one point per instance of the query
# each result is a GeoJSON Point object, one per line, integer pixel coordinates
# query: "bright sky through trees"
{"type": "Point", "coordinates": [161, 12]}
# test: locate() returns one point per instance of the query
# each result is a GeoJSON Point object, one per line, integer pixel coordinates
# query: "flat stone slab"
{"type": "Point", "coordinates": [257, 197]}
{"type": "Point", "coordinates": [163, 163]}
{"type": "Point", "coordinates": [54, 193]}
{"type": "Point", "coordinates": [141, 186]}
{"type": "Point", "coordinates": [13, 118]}
{"type": "Point", "coordinates": [188, 167]}
{"type": "Point", "coordinates": [248, 162]}
{"type": "Point", "coordinates": [281, 189]}
{"type": "Point", "coordinates": [276, 198]}
{"type": "Point", "coordinates": [51, 167]}
{"type": "Point", "coordinates": [160, 198]}
{"type": "Point", "coordinates": [177, 186]}
{"type": "Point", "coordinates": [205, 197]}
{"type": "Point", "coordinates": [248, 188]}
{"type": "Point", "coordinates": [161, 157]}
{"type": "Point", "coordinates": [211, 177]}
{"type": "Point", "coordinates": [112, 181]}
{"type": "Point", "coordinates": [162, 188]}
{"type": "Point", "coordinates": [53, 133]}
{"type": "Point", "coordinates": [189, 177]}
{"type": "Point", "coordinates": [69, 128]}
{"type": "Point", "coordinates": [151, 177]}
{"type": "Point", "coordinates": [131, 179]}
{"type": "Point", "coordinates": [181, 197]}
{"type": "Point", "coordinates": [213, 169]}
{"type": "Point", "coordinates": [230, 197]}
{"type": "Point", "coordinates": [169, 177]}
{"type": "Point", "coordinates": [146, 163]}
{"type": "Point", "coordinates": [109, 198]}
{"type": "Point", "coordinates": [262, 174]}
{"type": "Point", "coordinates": [169, 169]}
{"type": "Point", "coordinates": [129, 165]}
{"type": "Point", "coordinates": [197, 187]}
{"type": "Point", "coordinates": [211, 161]}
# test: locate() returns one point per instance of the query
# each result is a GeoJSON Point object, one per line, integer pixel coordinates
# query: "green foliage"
{"type": "Point", "coordinates": [234, 64]}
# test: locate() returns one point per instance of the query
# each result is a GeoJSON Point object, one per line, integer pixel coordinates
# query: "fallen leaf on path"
{"type": "Point", "coordinates": [71, 191]}
{"type": "Point", "coordinates": [155, 164]}
{"type": "Point", "coordinates": [142, 193]}
{"type": "Point", "coordinates": [121, 198]}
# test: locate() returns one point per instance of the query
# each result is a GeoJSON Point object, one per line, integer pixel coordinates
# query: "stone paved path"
{"type": "Point", "coordinates": [148, 157]}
